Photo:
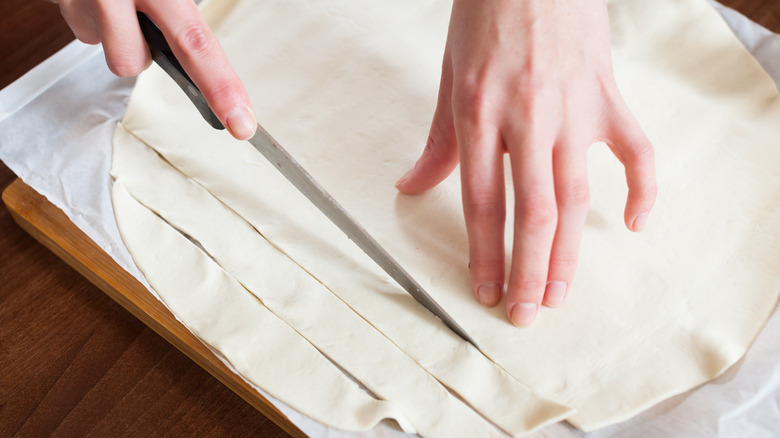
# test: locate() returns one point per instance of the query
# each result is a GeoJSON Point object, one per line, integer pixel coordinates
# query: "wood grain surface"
{"type": "Point", "coordinates": [75, 363]}
{"type": "Point", "coordinates": [50, 227]}
{"type": "Point", "coordinates": [72, 361]}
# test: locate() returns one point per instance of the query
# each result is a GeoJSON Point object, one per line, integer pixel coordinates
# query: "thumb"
{"type": "Point", "coordinates": [440, 156]}
{"type": "Point", "coordinates": [635, 151]}
{"type": "Point", "coordinates": [438, 160]}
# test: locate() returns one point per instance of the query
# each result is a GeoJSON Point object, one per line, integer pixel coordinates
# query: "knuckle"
{"type": "Point", "coordinates": [431, 146]}
{"type": "Point", "coordinates": [535, 89]}
{"type": "Point", "coordinates": [482, 209]}
{"type": "Point", "coordinates": [475, 97]}
{"type": "Point", "coordinates": [531, 83]}
{"type": "Point", "coordinates": [125, 69]}
{"type": "Point", "coordinates": [442, 150]}
{"type": "Point", "coordinates": [471, 95]}
{"type": "Point", "coordinates": [575, 193]}
{"type": "Point", "coordinates": [100, 11]}
{"type": "Point", "coordinates": [482, 262]}
{"type": "Point", "coordinates": [222, 91]}
{"type": "Point", "coordinates": [86, 37]}
{"type": "Point", "coordinates": [441, 137]}
{"type": "Point", "coordinates": [563, 264]}
{"type": "Point", "coordinates": [194, 40]}
{"type": "Point", "coordinates": [84, 28]}
{"type": "Point", "coordinates": [640, 152]}
{"type": "Point", "coordinates": [528, 287]}
{"type": "Point", "coordinates": [537, 211]}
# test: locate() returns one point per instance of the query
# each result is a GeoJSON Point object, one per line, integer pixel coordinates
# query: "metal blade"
{"type": "Point", "coordinates": [163, 55]}
{"type": "Point", "coordinates": [301, 179]}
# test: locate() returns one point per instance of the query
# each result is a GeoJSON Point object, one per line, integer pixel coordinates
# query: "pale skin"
{"type": "Point", "coordinates": [532, 79]}
{"type": "Point", "coordinates": [114, 24]}
{"type": "Point", "coordinates": [529, 78]}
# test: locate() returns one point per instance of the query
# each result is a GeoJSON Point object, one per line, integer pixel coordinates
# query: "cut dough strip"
{"type": "Point", "coordinates": [265, 350]}
{"type": "Point", "coordinates": [348, 87]}
{"type": "Point", "coordinates": [324, 319]}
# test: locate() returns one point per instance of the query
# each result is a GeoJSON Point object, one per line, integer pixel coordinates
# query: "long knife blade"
{"type": "Point", "coordinates": [300, 178]}
{"type": "Point", "coordinates": [271, 150]}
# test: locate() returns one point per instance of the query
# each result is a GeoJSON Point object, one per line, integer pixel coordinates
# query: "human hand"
{"type": "Point", "coordinates": [531, 78]}
{"type": "Point", "coordinates": [114, 23]}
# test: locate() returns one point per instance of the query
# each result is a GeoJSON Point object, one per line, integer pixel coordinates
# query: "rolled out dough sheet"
{"type": "Point", "coordinates": [317, 314]}
{"type": "Point", "coordinates": [243, 330]}
{"type": "Point", "coordinates": [349, 89]}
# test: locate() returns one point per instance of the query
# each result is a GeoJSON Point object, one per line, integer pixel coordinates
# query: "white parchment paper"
{"type": "Point", "coordinates": [56, 126]}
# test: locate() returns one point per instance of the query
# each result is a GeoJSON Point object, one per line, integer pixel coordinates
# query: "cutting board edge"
{"type": "Point", "coordinates": [48, 225]}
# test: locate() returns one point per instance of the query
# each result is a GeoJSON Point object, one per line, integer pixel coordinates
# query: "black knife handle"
{"type": "Point", "coordinates": [164, 57]}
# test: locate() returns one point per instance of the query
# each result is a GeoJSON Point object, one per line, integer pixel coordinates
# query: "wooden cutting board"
{"type": "Point", "coordinates": [49, 226]}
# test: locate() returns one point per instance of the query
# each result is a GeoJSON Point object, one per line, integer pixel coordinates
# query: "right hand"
{"type": "Point", "coordinates": [114, 24]}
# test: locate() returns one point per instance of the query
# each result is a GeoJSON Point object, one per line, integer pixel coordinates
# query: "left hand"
{"type": "Point", "coordinates": [531, 78]}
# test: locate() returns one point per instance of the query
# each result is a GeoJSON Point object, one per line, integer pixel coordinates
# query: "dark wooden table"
{"type": "Point", "coordinates": [73, 362]}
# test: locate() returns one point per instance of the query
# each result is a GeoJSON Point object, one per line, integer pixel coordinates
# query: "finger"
{"type": "Point", "coordinates": [535, 222]}
{"type": "Point", "coordinates": [438, 160]}
{"type": "Point", "coordinates": [570, 174]}
{"type": "Point", "coordinates": [126, 52]}
{"type": "Point", "coordinates": [82, 24]}
{"type": "Point", "coordinates": [202, 57]}
{"type": "Point", "coordinates": [484, 204]}
{"type": "Point", "coordinates": [635, 151]}
{"type": "Point", "coordinates": [440, 156]}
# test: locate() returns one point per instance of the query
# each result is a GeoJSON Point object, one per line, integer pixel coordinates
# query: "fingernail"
{"type": "Point", "coordinates": [554, 293]}
{"type": "Point", "coordinates": [242, 123]}
{"type": "Point", "coordinates": [404, 177]}
{"type": "Point", "coordinates": [639, 222]}
{"type": "Point", "coordinates": [523, 314]}
{"type": "Point", "coordinates": [489, 294]}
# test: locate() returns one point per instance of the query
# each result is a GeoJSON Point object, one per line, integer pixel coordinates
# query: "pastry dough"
{"type": "Point", "coordinates": [319, 316]}
{"type": "Point", "coordinates": [349, 87]}
{"type": "Point", "coordinates": [243, 330]}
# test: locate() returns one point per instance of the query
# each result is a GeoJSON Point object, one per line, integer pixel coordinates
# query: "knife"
{"type": "Point", "coordinates": [297, 175]}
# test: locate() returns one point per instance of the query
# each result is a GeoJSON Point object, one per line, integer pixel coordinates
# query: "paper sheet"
{"type": "Point", "coordinates": [60, 144]}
